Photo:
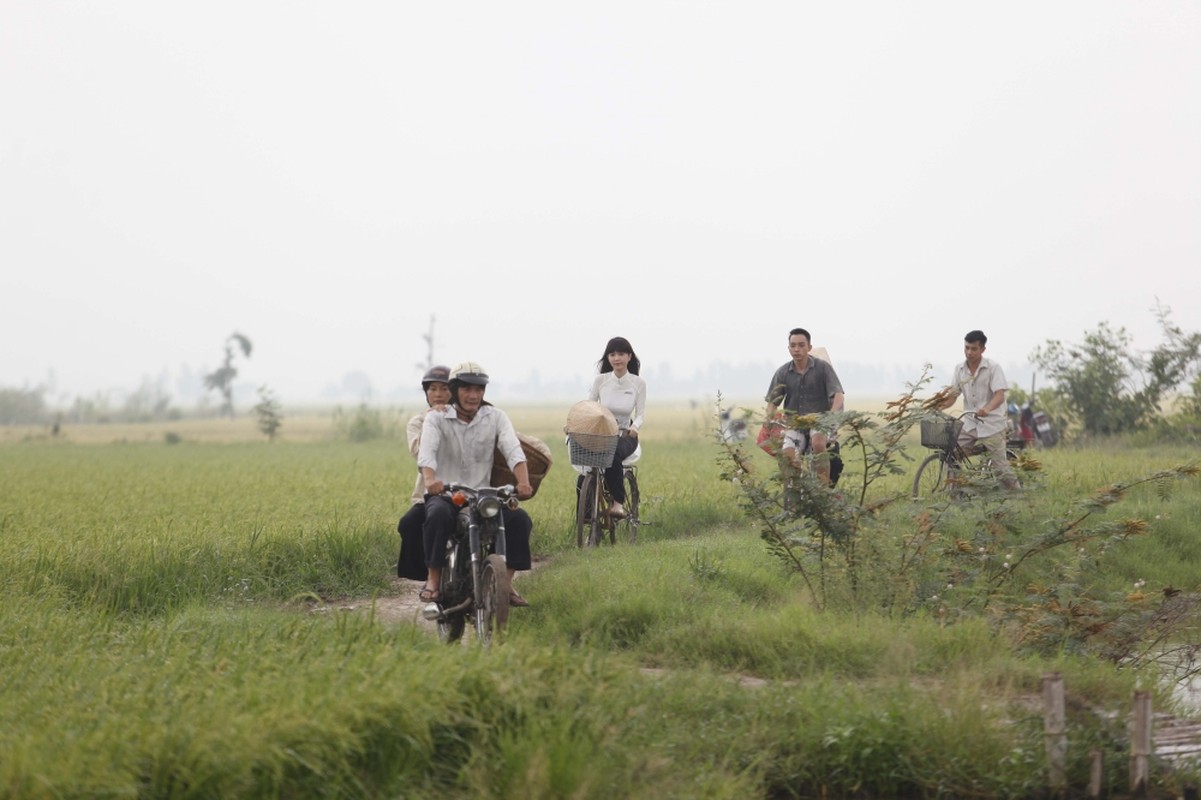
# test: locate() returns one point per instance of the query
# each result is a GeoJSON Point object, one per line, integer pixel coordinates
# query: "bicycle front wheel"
{"type": "Point", "coordinates": [587, 515]}
{"type": "Point", "coordinates": [931, 477]}
{"type": "Point", "coordinates": [450, 629]}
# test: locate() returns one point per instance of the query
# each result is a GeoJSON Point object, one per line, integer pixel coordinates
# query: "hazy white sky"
{"type": "Point", "coordinates": [696, 176]}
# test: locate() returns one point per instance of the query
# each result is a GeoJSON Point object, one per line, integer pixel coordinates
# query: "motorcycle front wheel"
{"type": "Point", "coordinates": [492, 605]}
{"type": "Point", "coordinates": [450, 629]}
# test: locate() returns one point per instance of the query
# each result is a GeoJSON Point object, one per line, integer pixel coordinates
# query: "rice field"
{"type": "Point", "coordinates": [167, 632]}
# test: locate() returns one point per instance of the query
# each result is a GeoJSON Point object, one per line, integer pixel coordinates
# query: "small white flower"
{"type": "Point", "coordinates": [950, 586]}
{"type": "Point", "coordinates": [1009, 556]}
{"type": "Point", "coordinates": [981, 549]}
{"type": "Point", "coordinates": [934, 598]}
{"type": "Point", "coordinates": [1005, 565]}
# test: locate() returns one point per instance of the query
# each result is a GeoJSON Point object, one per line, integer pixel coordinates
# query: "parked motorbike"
{"type": "Point", "coordinates": [475, 580]}
{"type": "Point", "coordinates": [1035, 427]}
{"type": "Point", "coordinates": [1047, 437]}
{"type": "Point", "coordinates": [732, 429]}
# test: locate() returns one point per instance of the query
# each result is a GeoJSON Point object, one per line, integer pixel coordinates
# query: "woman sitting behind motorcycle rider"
{"type": "Point", "coordinates": [411, 562]}
{"type": "Point", "coordinates": [619, 389]}
{"type": "Point", "coordinates": [458, 445]}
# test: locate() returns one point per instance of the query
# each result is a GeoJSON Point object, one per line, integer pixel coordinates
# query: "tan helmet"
{"type": "Point", "coordinates": [468, 372]}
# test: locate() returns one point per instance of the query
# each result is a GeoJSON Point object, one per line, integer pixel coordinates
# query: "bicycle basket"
{"type": "Point", "coordinates": [940, 434]}
{"type": "Point", "coordinates": [591, 449]}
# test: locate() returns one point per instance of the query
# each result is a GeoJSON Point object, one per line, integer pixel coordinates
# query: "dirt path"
{"type": "Point", "coordinates": [399, 605]}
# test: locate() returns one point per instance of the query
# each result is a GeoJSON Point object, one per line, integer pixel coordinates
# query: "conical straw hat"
{"type": "Point", "coordinates": [589, 416]}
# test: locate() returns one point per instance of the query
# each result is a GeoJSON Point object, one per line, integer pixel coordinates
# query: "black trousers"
{"type": "Point", "coordinates": [411, 561]}
{"type": "Point", "coordinates": [440, 521]}
{"type": "Point", "coordinates": [613, 473]}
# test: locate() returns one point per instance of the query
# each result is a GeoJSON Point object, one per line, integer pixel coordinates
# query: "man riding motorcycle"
{"type": "Point", "coordinates": [458, 445]}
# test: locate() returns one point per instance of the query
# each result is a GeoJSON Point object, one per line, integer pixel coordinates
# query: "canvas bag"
{"type": "Point", "coordinates": [771, 436]}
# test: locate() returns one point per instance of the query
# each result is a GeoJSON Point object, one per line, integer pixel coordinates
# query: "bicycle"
{"type": "Point", "coordinates": [590, 454]}
{"type": "Point", "coordinates": [806, 459]}
{"type": "Point", "coordinates": [804, 465]}
{"type": "Point", "coordinates": [949, 461]}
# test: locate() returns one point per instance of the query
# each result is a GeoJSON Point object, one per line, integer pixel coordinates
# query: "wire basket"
{"type": "Point", "coordinates": [592, 449]}
{"type": "Point", "coordinates": [941, 434]}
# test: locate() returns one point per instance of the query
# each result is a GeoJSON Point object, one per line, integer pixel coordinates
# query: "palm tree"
{"type": "Point", "coordinates": [222, 378]}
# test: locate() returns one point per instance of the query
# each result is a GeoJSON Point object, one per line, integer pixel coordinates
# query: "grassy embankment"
{"type": "Point", "coordinates": [154, 641]}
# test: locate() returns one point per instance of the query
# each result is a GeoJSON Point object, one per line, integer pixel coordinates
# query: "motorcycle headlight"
{"type": "Point", "coordinates": [489, 507]}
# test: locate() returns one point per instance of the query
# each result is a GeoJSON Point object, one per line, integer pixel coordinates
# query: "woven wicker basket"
{"type": "Point", "coordinates": [941, 434]}
{"type": "Point", "coordinates": [591, 449]}
{"type": "Point", "coordinates": [537, 460]}
{"type": "Point", "coordinates": [592, 434]}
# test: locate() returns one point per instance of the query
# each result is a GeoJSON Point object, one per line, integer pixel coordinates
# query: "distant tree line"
{"type": "Point", "coordinates": [149, 403]}
{"type": "Point", "coordinates": [28, 406]}
{"type": "Point", "coordinates": [22, 406]}
{"type": "Point", "coordinates": [1099, 386]}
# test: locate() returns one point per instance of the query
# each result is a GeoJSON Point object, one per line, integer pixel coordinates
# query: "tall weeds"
{"type": "Point", "coordinates": [1025, 562]}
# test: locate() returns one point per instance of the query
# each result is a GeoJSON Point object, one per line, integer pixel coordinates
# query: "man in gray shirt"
{"type": "Point", "coordinates": [805, 385]}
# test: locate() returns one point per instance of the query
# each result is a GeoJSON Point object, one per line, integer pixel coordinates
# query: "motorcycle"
{"type": "Point", "coordinates": [475, 580]}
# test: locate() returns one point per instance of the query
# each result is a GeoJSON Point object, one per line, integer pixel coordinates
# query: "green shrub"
{"type": "Point", "coordinates": [365, 424]}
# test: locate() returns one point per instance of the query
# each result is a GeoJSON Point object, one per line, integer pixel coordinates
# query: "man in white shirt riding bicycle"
{"type": "Point", "coordinates": [982, 383]}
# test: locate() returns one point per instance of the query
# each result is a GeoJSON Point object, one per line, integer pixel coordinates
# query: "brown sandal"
{"type": "Point", "coordinates": [518, 601]}
{"type": "Point", "coordinates": [428, 595]}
